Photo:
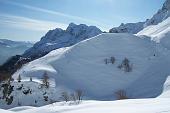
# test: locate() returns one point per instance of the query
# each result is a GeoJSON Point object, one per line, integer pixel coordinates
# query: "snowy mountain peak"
{"type": "Point", "coordinates": [58, 38]}
{"type": "Point", "coordinates": [80, 29]}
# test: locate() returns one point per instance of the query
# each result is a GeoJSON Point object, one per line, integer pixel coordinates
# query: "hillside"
{"type": "Point", "coordinates": [69, 67]}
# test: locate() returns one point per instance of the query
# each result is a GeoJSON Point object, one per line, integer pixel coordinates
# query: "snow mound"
{"type": "Point", "coordinates": [83, 67]}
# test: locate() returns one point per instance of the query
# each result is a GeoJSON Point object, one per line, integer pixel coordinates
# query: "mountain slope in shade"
{"type": "Point", "coordinates": [59, 38]}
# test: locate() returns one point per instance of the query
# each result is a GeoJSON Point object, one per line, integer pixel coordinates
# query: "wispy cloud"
{"type": "Point", "coordinates": [52, 12]}
{"type": "Point", "coordinates": [28, 23]}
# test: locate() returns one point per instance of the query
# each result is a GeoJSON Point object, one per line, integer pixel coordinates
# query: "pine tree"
{"type": "Point", "coordinates": [45, 80]}
{"type": "Point", "coordinates": [19, 78]}
{"type": "Point", "coordinates": [30, 79]}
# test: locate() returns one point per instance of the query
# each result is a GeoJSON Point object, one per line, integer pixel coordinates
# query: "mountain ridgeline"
{"type": "Point", "coordinates": [59, 38]}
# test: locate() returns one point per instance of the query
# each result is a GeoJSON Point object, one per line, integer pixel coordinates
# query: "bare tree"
{"type": "Point", "coordinates": [79, 94]}
{"type": "Point", "coordinates": [65, 96]}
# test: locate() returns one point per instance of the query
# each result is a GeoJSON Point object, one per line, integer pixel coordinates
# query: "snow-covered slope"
{"type": "Point", "coordinates": [166, 89]}
{"type": "Point", "coordinates": [59, 38]}
{"type": "Point", "coordinates": [83, 67]}
{"type": "Point", "coordinates": [161, 15]}
{"type": "Point", "coordinates": [154, 105]}
{"type": "Point", "coordinates": [159, 33]}
{"type": "Point", "coordinates": [10, 48]}
{"type": "Point", "coordinates": [132, 28]}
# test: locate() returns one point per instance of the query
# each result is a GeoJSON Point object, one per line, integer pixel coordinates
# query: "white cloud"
{"type": "Point", "coordinates": [28, 23]}
{"type": "Point", "coordinates": [52, 12]}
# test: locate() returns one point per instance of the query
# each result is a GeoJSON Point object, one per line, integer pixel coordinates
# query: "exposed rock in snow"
{"type": "Point", "coordinates": [59, 38]}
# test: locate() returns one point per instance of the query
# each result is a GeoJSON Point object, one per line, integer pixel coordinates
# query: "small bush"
{"type": "Point", "coordinates": [28, 91]}
{"type": "Point", "coordinates": [112, 60]}
{"type": "Point", "coordinates": [125, 65]}
{"type": "Point", "coordinates": [20, 87]}
{"type": "Point", "coordinates": [106, 61]}
{"type": "Point", "coordinates": [9, 100]}
{"type": "Point", "coordinates": [45, 98]}
{"type": "Point", "coordinates": [121, 94]}
{"type": "Point", "coordinates": [75, 97]}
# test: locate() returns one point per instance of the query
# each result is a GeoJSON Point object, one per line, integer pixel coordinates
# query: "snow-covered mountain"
{"type": "Point", "coordinates": [132, 28]}
{"type": "Point", "coordinates": [10, 48]}
{"type": "Point", "coordinates": [59, 38]}
{"type": "Point", "coordinates": [160, 16]}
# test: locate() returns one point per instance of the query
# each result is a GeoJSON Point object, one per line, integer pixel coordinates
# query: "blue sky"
{"type": "Point", "coordinates": [29, 20]}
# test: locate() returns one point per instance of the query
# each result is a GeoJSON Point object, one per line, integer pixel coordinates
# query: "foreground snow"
{"type": "Point", "coordinates": [160, 105]}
